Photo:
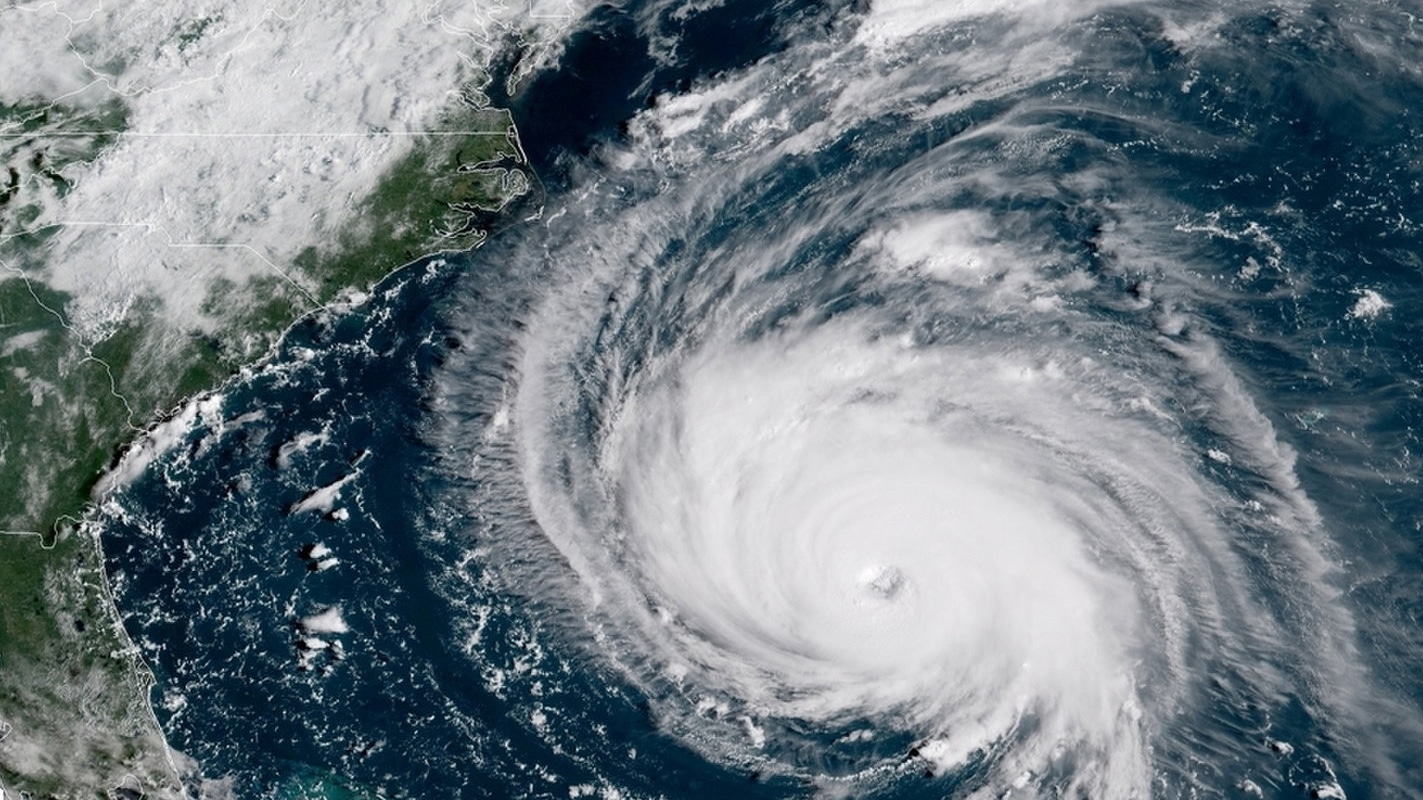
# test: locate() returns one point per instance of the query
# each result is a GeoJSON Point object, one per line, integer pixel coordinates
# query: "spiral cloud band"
{"type": "Point", "coordinates": [832, 528]}
{"type": "Point", "coordinates": [880, 435]}
{"type": "Point", "coordinates": [995, 552]}
{"type": "Point", "coordinates": [888, 399]}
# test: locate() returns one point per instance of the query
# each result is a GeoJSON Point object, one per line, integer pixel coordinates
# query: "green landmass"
{"type": "Point", "coordinates": [431, 200]}
{"type": "Point", "coordinates": [74, 714]}
{"type": "Point", "coordinates": [72, 689]}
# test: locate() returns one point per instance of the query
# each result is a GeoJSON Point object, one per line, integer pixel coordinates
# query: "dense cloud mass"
{"type": "Point", "coordinates": [909, 400]}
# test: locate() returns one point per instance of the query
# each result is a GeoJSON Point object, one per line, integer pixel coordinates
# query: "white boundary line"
{"type": "Point", "coordinates": [240, 135]}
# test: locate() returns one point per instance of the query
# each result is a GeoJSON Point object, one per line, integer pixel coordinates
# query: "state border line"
{"type": "Point", "coordinates": [244, 135]}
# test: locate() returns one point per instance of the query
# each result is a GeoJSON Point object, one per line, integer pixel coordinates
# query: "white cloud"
{"type": "Point", "coordinates": [1369, 305]}
{"type": "Point", "coordinates": [254, 129]}
{"type": "Point", "coordinates": [328, 621]}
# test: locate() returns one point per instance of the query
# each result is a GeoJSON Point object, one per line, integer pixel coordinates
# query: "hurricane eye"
{"type": "Point", "coordinates": [884, 583]}
{"type": "Point", "coordinates": [954, 399]}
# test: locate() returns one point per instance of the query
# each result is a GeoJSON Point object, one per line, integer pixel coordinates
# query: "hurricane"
{"type": "Point", "coordinates": [879, 400]}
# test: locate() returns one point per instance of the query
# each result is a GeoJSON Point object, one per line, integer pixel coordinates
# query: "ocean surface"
{"type": "Point", "coordinates": [897, 399]}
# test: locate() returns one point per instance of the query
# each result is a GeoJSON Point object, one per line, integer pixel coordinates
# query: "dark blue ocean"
{"type": "Point", "coordinates": [873, 400]}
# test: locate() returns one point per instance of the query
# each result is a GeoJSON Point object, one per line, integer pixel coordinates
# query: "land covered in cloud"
{"type": "Point", "coordinates": [178, 184]}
